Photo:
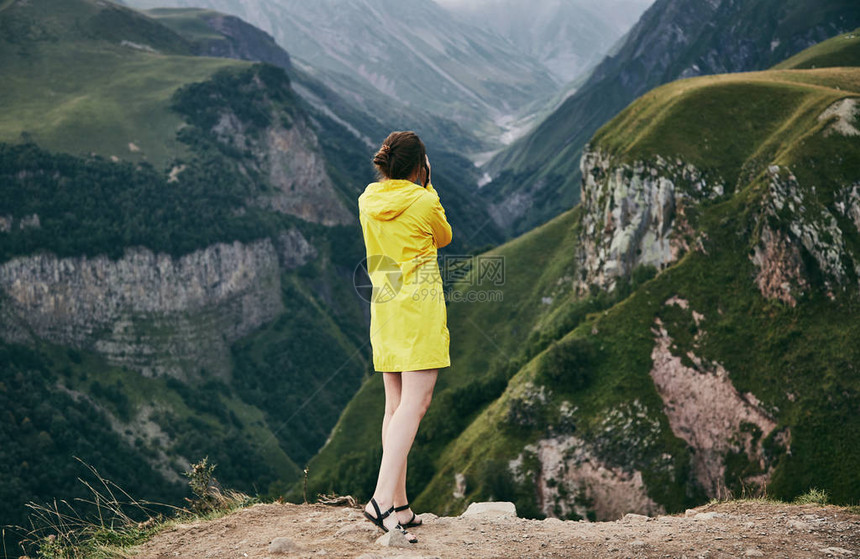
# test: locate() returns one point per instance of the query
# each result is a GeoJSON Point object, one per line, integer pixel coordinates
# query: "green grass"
{"type": "Point", "coordinates": [738, 120]}
{"type": "Point", "coordinates": [843, 50]}
{"type": "Point", "coordinates": [813, 497]}
{"type": "Point", "coordinates": [83, 100]}
{"type": "Point", "coordinates": [76, 89]}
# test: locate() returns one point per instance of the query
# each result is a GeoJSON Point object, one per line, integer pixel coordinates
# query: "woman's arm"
{"type": "Point", "coordinates": [437, 220]}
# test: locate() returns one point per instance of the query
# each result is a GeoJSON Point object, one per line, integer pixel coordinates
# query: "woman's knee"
{"type": "Point", "coordinates": [419, 406]}
{"type": "Point", "coordinates": [391, 407]}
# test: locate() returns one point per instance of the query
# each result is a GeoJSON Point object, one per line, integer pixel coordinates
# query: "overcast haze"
{"type": "Point", "coordinates": [624, 12]}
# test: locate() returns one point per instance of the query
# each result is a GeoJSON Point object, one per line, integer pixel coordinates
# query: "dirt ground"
{"type": "Point", "coordinates": [732, 529]}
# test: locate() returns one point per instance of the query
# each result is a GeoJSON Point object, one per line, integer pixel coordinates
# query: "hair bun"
{"type": "Point", "coordinates": [400, 156]}
{"type": "Point", "coordinates": [382, 156]}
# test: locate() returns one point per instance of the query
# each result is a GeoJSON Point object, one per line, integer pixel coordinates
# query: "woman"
{"type": "Point", "coordinates": [403, 224]}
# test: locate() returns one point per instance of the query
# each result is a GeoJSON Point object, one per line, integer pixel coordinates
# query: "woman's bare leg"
{"type": "Point", "coordinates": [393, 386]}
{"type": "Point", "coordinates": [415, 396]}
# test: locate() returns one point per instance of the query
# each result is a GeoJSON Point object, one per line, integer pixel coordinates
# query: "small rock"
{"type": "Point", "coordinates": [637, 543]}
{"type": "Point", "coordinates": [631, 517]}
{"type": "Point", "coordinates": [394, 538]}
{"type": "Point", "coordinates": [689, 513]}
{"type": "Point", "coordinates": [283, 546]}
{"type": "Point", "coordinates": [753, 552]}
{"type": "Point", "coordinates": [501, 509]}
{"type": "Point", "coordinates": [370, 556]}
{"type": "Point", "coordinates": [798, 525]}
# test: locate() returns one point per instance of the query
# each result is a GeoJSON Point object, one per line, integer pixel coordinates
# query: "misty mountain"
{"type": "Point", "coordinates": [539, 177]}
{"type": "Point", "coordinates": [567, 36]}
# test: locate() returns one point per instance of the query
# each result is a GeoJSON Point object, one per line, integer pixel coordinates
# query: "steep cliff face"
{"type": "Point", "coordinates": [634, 215]}
{"type": "Point", "coordinates": [794, 222]}
{"type": "Point", "coordinates": [151, 312]}
{"type": "Point", "coordinates": [255, 120]}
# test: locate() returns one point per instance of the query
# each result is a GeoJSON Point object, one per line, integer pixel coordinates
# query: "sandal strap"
{"type": "Point", "coordinates": [404, 507]}
{"type": "Point", "coordinates": [379, 514]}
{"type": "Point", "coordinates": [403, 531]}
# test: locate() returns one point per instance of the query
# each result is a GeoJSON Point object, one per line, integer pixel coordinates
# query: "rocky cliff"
{"type": "Point", "coordinates": [154, 313]}
{"type": "Point", "coordinates": [634, 215]}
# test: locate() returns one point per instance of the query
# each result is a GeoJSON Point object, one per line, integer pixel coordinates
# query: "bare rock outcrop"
{"type": "Point", "coordinates": [289, 157]}
{"type": "Point", "coordinates": [794, 219]}
{"type": "Point", "coordinates": [597, 475]}
{"type": "Point", "coordinates": [155, 313]}
{"type": "Point", "coordinates": [634, 215]}
{"type": "Point", "coordinates": [706, 411]}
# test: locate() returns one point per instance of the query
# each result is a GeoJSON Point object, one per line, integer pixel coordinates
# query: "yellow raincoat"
{"type": "Point", "coordinates": [403, 225]}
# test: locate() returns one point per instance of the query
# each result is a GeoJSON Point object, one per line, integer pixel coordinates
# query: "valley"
{"type": "Point", "coordinates": [678, 226]}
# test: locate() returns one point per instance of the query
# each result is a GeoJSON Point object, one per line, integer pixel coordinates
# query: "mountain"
{"type": "Point", "coordinates": [178, 238]}
{"type": "Point", "coordinates": [212, 33]}
{"type": "Point", "coordinates": [538, 176]}
{"type": "Point", "coordinates": [567, 37]}
{"type": "Point", "coordinates": [409, 59]}
{"type": "Point", "coordinates": [686, 332]}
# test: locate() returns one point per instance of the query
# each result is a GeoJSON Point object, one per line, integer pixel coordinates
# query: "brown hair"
{"type": "Point", "coordinates": [400, 154]}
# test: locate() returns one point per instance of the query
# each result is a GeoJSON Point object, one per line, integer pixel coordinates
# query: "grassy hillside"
{"type": "Point", "coordinates": [549, 365]}
{"type": "Point", "coordinates": [85, 79]}
{"type": "Point", "coordinates": [843, 50]}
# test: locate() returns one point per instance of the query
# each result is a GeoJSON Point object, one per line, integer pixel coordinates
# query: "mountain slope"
{"type": "Point", "coordinates": [839, 51]}
{"type": "Point", "coordinates": [538, 176]}
{"type": "Point", "coordinates": [176, 251]}
{"type": "Point", "coordinates": [684, 333]}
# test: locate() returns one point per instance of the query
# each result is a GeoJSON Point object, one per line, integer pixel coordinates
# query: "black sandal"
{"type": "Point", "coordinates": [411, 523]}
{"type": "Point", "coordinates": [379, 515]}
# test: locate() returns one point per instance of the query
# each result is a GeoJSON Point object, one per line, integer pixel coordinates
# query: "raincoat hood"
{"type": "Point", "coordinates": [386, 200]}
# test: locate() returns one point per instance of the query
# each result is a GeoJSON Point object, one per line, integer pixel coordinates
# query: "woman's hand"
{"type": "Point", "coordinates": [427, 169]}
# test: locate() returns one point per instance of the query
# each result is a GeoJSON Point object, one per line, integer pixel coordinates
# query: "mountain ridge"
{"type": "Point", "coordinates": [539, 173]}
